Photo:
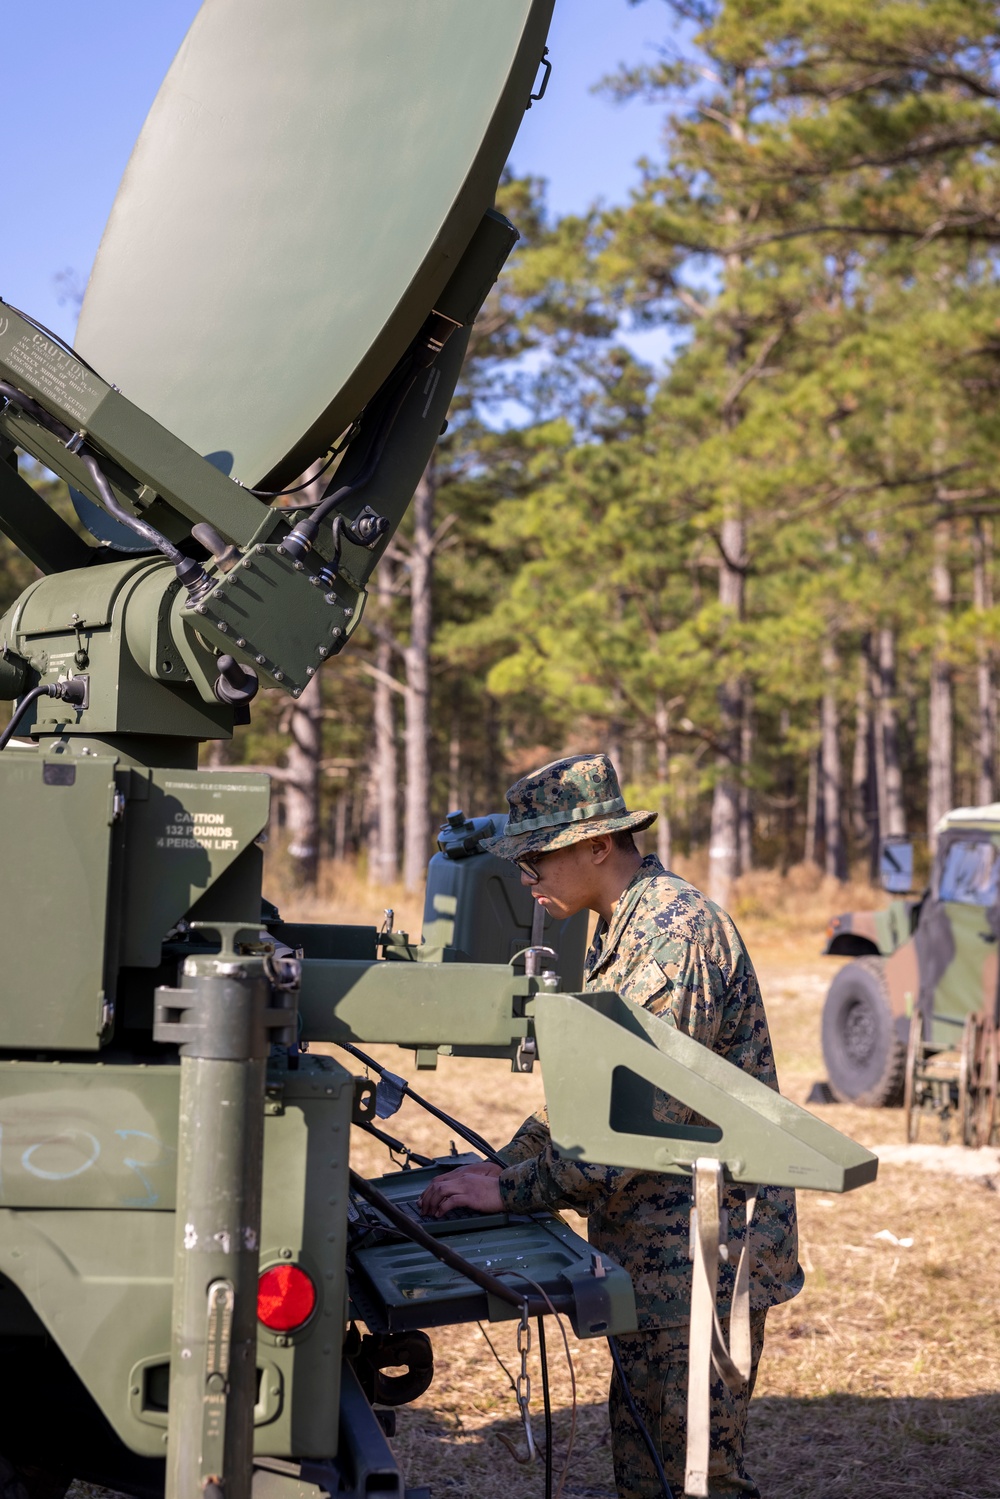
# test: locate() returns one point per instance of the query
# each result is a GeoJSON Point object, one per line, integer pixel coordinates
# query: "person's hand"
{"type": "Point", "coordinates": [474, 1187]}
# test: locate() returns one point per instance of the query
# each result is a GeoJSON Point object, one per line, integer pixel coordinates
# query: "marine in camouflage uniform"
{"type": "Point", "coordinates": [668, 948]}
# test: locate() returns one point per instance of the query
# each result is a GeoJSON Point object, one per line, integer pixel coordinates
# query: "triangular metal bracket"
{"type": "Point", "coordinates": [601, 1058]}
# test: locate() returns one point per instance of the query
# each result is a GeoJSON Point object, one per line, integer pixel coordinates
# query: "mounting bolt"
{"type": "Point", "coordinates": [222, 627]}
{"type": "Point", "coordinates": [310, 671]}
{"type": "Point", "coordinates": [336, 632]}
{"type": "Point", "coordinates": [331, 598]}
{"type": "Point", "coordinates": [280, 550]}
{"type": "Point", "coordinates": [296, 692]}
{"type": "Point", "coordinates": [299, 567]}
{"type": "Point", "coordinates": [279, 676]}
{"type": "Point", "coordinates": [322, 651]}
{"type": "Point", "coordinates": [347, 612]}
{"type": "Point", "coordinates": [315, 580]}
{"type": "Point", "coordinates": [240, 641]}
{"type": "Point", "coordinates": [247, 562]}
{"type": "Point", "coordinates": [260, 660]}
{"type": "Point", "coordinates": [260, 550]}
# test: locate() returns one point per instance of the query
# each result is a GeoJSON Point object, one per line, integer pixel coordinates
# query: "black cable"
{"type": "Point", "coordinates": [125, 517]}
{"type": "Point", "coordinates": [20, 711]}
{"type": "Point", "coordinates": [547, 1404]}
{"type": "Point", "coordinates": [668, 1492]}
{"type": "Point", "coordinates": [73, 690]}
{"type": "Point", "coordinates": [469, 1135]}
{"type": "Point", "coordinates": [431, 341]}
{"type": "Point", "coordinates": [277, 494]}
{"type": "Point", "coordinates": [395, 1145]}
{"type": "Point", "coordinates": [300, 539]}
{"type": "Point", "coordinates": [191, 573]}
{"type": "Point", "coordinates": [375, 450]}
{"type": "Point", "coordinates": [408, 1226]}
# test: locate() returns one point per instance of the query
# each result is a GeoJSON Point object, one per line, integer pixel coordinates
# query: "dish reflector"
{"type": "Point", "coordinates": [306, 181]}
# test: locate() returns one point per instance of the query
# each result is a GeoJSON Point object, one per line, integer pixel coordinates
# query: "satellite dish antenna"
{"type": "Point", "coordinates": [305, 184]}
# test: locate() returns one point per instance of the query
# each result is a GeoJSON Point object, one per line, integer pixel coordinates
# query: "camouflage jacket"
{"type": "Point", "coordinates": [672, 950]}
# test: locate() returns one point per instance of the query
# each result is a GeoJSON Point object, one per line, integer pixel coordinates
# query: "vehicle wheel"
{"type": "Point", "coordinates": [865, 1059]}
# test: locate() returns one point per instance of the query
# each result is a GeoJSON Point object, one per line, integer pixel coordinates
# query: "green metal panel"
{"type": "Point", "coordinates": [184, 829]}
{"type": "Point", "coordinates": [960, 989]}
{"type": "Point", "coordinates": [472, 1005]}
{"type": "Point", "coordinates": [337, 157]}
{"type": "Point", "coordinates": [624, 1052]}
{"type": "Point", "coordinates": [306, 1156]}
{"type": "Point", "coordinates": [58, 810]}
{"type": "Point", "coordinates": [101, 1280]}
{"type": "Point", "coordinates": [73, 1135]}
{"type": "Point", "coordinates": [115, 878]}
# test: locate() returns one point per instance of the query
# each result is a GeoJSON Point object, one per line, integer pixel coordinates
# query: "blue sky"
{"type": "Point", "coordinates": [78, 82]}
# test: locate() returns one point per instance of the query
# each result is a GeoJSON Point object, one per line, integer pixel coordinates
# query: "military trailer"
{"type": "Point", "coordinates": [913, 1019]}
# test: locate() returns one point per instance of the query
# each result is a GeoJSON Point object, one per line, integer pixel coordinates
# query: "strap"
{"type": "Point", "coordinates": [707, 1345]}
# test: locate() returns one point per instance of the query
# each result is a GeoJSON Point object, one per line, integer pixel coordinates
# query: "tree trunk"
{"type": "Point", "coordinates": [215, 755]}
{"type": "Point", "coordinates": [986, 736]}
{"type": "Point", "coordinates": [860, 827]}
{"type": "Point", "coordinates": [746, 806]}
{"type": "Point", "coordinates": [417, 827]}
{"type": "Point", "coordinates": [813, 805]}
{"type": "Point", "coordinates": [724, 847]}
{"type": "Point", "coordinates": [835, 855]}
{"type": "Point", "coordinates": [940, 786]}
{"type": "Point", "coordinates": [664, 850]}
{"type": "Point", "coordinates": [455, 751]}
{"type": "Point", "coordinates": [340, 828]}
{"type": "Point", "coordinates": [892, 811]}
{"type": "Point", "coordinates": [302, 782]}
{"type": "Point", "coordinates": [383, 862]}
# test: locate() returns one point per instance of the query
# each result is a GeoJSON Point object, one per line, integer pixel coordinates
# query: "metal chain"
{"type": "Point", "coordinates": [523, 1390]}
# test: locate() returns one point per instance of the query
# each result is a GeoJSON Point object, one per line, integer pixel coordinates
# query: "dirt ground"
{"type": "Point", "coordinates": [881, 1381]}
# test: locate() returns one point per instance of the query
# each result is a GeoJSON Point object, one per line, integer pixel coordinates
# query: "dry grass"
{"type": "Point", "coordinates": [879, 1382]}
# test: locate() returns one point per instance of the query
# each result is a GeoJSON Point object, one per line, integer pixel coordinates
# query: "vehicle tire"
{"type": "Point", "coordinates": [865, 1059]}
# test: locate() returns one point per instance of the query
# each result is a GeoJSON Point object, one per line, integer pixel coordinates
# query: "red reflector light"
{"type": "Point", "coordinates": [285, 1298]}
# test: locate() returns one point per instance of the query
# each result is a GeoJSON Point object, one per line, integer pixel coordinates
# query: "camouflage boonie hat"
{"type": "Point", "coordinates": [564, 803]}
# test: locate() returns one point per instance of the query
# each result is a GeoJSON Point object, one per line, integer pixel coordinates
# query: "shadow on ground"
{"type": "Point", "coordinates": [857, 1447]}
{"type": "Point", "coordinates": [836, 1447]}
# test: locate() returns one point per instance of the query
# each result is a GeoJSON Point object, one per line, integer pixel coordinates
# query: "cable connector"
{"type": "Point", "coordinates": [299, 541]}
{"type": "Point", "coordinates": [74, 690]}
{"type": "Point", "coordinates": [195, 579]}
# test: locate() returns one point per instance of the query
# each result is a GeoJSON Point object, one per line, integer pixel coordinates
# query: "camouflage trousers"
{"type": "Point", "coordinates": [656, 1367]}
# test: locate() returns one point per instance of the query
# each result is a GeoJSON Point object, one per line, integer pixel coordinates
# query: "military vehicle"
{"type": "Point", "coordinates": [924, 983]}
{"type": "Point", "coordinates": [302, 240]}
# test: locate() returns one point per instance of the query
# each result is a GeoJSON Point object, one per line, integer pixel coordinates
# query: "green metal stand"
{"type": "Point", "coordinates": [225, 1019]}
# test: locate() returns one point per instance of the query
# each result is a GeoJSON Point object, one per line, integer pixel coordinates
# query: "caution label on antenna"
{"type": "Point", "coordinates": [39, 367]}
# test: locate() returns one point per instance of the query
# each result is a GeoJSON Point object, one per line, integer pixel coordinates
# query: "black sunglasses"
{"type": "Point", "coordinates": [528, 865]}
